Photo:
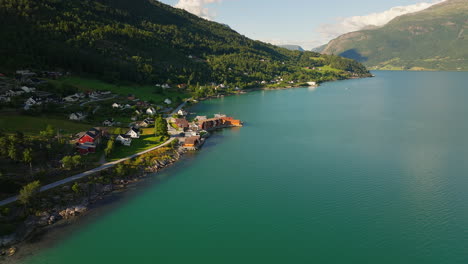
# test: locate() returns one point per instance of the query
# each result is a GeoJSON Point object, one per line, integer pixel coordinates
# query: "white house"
{"type": "Point", "coordinates": [32, 101]}
{"type": "Point", "coordinates": [108, 122]}
{"type": "Point", "coordinates": [182, 112]}
{"type": "Point", "coordinates": [166, 86]}
{"type": "Point", "coordinates": [168, 101]}
{"type": "Point", "coordinates": [94, 95]}
{"type": "Point", "coordinates": [5, 99]}
{"type": "Point", "coordinates": [116, 105]}
{"type": "Point", "coordinates": [28, 90]}
{"type": "Point", "coordinates": [127, 106]}
{"type": "Point", "coordinates": [134, 132]}
{"type": "Point", "coordinates": [151, 111]}
{"type": "Point", "coordinates": [78, 116]}
{"type": "Point", "coordinates": [125, 140]}
{"type": "Point", "coordinates": [312, 83]}
{"type": "Point", "coordinates": [71, 98]}
{"type": "Point", "coordinates": [201, 118]}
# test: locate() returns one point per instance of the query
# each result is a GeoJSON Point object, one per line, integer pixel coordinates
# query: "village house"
{"type": "Point", "coordinates": [151, 111]}
{"type": "Point", "coordinates": [72, 98]}
{"type": "Point", "coordinates": [78, 116]}
{"type": "Point", "coordinates": [182, 86]}
{"type": "Point", "coordinates": [168, 101]}
{"type": "Point", "coordinates": [182, 123]}
{"type": "Point", "coordinates": [312, 83]}
{"type": "Point", "coordinates": [125, 140]}
{"type": "Point", "coordinates": [166, 86]}
{"type": "Point", "coordinates": [193, 127]}
{"type": "Point", "coordinates": [219, 121]}
{"type": "Point", "coordinates": [28, 90]}
{"type": "Point", "coordinates": [14, 93]}
{"type": "Point", "coordinates": [87, 141]}
{"type": "Point", "coordinates": [146, 123]}
{"type": "Point", "coordinates": [192, 143]}
{"type": "Point", "coordinates": [182, 112]}
{"type": "Point", "coordinates": [31, 102]}
{"type": "Point", "coordinates": [109, 122]}
{"type": "Point", "coordinates": [25, 73]}
{"type": "Point", "coordinates": [200, 118]}
{"type": "Point", "coordinates": [133, 132]}
{"type": "Point", "coordinates": [116, 105]}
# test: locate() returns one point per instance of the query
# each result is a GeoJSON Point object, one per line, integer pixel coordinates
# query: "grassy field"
{"type": "Point", "coordinates": [31, 125]}
{"type": "Point", "coordinates": [141, 144]}
{"type": "Point", "coordinates": [146, 93]}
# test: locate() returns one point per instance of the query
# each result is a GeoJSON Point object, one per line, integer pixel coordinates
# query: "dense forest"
{"type": "Point", "coordinates": [145, 41]}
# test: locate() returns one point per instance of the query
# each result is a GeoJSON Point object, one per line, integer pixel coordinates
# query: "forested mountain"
{"type": "Point", "coordinates": [434, 39]}
{"type": "Point", "coordinates": [145, 41]}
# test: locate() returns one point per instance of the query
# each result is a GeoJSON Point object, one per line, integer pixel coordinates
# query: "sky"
{"type": "Point", "coordinates": [308, 23]}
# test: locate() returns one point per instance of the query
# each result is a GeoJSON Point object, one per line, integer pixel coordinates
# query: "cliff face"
{"type": "Point", "coordinates": [435, 39]}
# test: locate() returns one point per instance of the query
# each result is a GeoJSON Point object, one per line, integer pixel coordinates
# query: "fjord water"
{"type": "Point", "coordinates": [359, 171]}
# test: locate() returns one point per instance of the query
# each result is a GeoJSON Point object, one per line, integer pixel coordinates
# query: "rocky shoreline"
{"type": "Point", "coordinates": [76, 206]}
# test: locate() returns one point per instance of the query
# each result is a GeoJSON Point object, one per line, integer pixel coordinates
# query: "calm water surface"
{"type": "Point", "coordinates": [360, 171]}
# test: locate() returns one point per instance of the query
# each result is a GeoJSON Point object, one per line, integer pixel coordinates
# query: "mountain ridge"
{"type": "Point", "coordinates": [144, 41]}
{"type": "Point", "coordinates": [431, 39]}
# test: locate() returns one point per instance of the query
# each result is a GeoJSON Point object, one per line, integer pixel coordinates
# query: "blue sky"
{"type": "Point", "coordinates": [308, 23]}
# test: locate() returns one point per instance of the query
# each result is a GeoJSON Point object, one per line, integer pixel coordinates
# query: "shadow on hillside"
{"type": "Point", "coordinates": [353, 54]}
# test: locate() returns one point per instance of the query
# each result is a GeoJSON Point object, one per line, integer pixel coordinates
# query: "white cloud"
{"type": "Point", "coordinates": [349, 24]}
{"type": "Point", "coordinates": [198, 7]}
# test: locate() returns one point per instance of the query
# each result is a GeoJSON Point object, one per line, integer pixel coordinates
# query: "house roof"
{"type": "Point", "coordinates": [124, 136]}
{"type": "Point", "coordinates": [182, 122]}
{"type": "Point", "coordinates": [136, 130]}
{"type": "Point", "coordinates": [192, 140]}
{"type": "Point", "coordinates": [93, 132]}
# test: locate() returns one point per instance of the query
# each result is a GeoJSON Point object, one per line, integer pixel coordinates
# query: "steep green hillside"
{"type": "Point", "coordinates": [143, 41]}
{"type": "Point", "coordinates": [434, 39]}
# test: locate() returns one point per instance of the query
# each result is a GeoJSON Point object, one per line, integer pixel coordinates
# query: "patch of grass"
{"type": "Point", "coordinates": [147, 131]}
{"type": "Point", "coordinates": [146, 92]}
{"type": "Point", "coordinates": [141, 144]}
{"type": "Point", "coordinates": [31, 125]}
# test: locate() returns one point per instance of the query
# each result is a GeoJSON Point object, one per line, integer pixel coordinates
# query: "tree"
{"type": "Point", "coordinates": [27, 157]}
{"type": "Point", "coordinates": [3, 146]}
{"type": "Point", "coordinates": [110, 146]}
{"type": "Point", "coordinates": [76, 188]}
{"type": "Point", "coordinates": [67, 162]}
{"type": "Point", "coordinates": [48, 132]}
{"type": "Point", "coordinates": [160, 127]}
{"type": "Point", "coordinates": [13, 152]}
{"type": "Point", "coordinates": [28, 192]}
{"type": "Point", "coordinates": [120, 170]}
{"type": "Point", "coordinates": [76, 161]}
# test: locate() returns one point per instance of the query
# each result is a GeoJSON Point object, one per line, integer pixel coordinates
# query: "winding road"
{"type": "Point", "coordinates": [87, 173]}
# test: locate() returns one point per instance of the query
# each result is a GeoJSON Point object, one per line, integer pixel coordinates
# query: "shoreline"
{"type": "Point", "coordinates": [42, 229]}
{"type": "Point", "coordinates": [50, 236]}
{"type": "Point", "coordinates": [37, 229]}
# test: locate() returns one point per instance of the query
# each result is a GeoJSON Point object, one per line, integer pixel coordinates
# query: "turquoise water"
{"type": "Point", "coordinates": [360, 171]}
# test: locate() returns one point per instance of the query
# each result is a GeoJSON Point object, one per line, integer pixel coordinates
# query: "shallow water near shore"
{"type": "Point", "coordinates": [358, 171]}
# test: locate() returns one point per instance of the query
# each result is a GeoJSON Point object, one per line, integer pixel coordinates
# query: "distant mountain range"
{"type": "Point", "coordinates": [432, 39]}
{"type": "Point", "coordinates": [292, 47]}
